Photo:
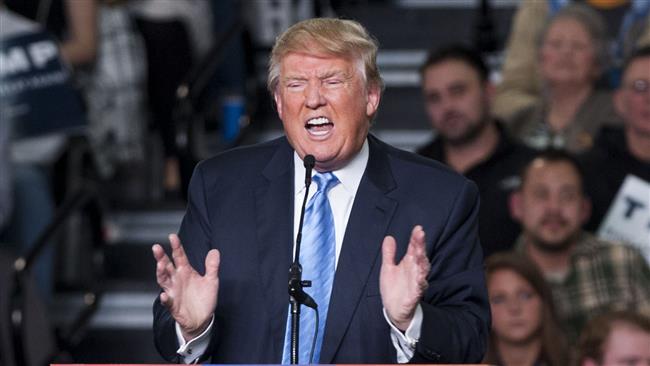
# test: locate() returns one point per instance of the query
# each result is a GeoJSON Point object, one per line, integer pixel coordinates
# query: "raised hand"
{"type": "Point", "coordinates": [190, 297]}
{"type": "Point", "coordinates": [402, 285]}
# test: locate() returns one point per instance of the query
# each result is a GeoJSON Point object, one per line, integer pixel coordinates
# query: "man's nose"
{"type": "Point", "coordinates": [554, 203]}
{"type": "Point", "coordinates": [313, 96]}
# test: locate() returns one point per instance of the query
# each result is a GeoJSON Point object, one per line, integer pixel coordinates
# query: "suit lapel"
{"type": "Point", "coordinates": [274, 225]}
{"type": "Point", "coordinates": [371, 214]}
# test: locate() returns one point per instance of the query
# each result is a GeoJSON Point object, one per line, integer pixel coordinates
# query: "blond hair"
{"type": "Point", "coordinates": [330, 36]}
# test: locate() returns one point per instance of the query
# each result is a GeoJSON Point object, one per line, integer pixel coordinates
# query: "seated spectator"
{"type": "Point", "coordinates": [23, 179]}
{"type": "Point", "coordinates": [617, 338]}
{"type": "Point", "coordinates": [457, 96]}
{"type": "Point", "coordinates": [176, 35]}
{"type": "Point", "coordinates": [626, 150]}
{"type": "Point", "coordinates": [525, 331]}
{"type": "Point", "coordinates": [628, 23]}
{"type": "Point", "coordinates": [588, 276]}
{"type": "Point", "coordinates": [572, 55]}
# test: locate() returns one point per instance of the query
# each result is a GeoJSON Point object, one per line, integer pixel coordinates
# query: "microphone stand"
{"type": "Point", "coordinates": [297, 296]}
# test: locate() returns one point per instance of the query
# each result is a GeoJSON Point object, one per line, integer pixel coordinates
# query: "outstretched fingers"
{"type": "Point", "coordinates": [164, 266]}
{"type": "Point", "coordinates": [178, 253]}
{"type": "Point", "coordinates": [417, 251]}
{"type": "Point", "coordinates": [212, 262]}
{"type": "Point", "coordinates": [388, 249]}
{"type": "Point", "coordinates": [416, 246]}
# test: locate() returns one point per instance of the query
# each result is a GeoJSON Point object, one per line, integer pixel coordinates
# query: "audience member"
{"type": "Point", "coordinates": [626, 150]}
{"type": "Point", "coordinates": [73, 22]}
{"type": "Point", "coordinates": [176, 34]}
{"type": "Point", "coordinates": [572, 55]}
{"type": "Point", "coordinates": [525, 330]}
{"type": "Point", "coordinates": [587, 276]}
{"type": "Point", "coordinates": [457, 96]}
{"type": "Point", "coordinates": [628, 23]}
{"type": "Point", "coordinates": [26, 179]}
{"type": "Point", "coordinates": [620, 338]}
{"type": "Point", "coordinates": [114, 90]}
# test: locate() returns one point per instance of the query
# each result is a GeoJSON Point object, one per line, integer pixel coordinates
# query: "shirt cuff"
{"type": "Point", "coordinates": [405, 342]}
{"type": "Point", "coordinates": [192, 350]}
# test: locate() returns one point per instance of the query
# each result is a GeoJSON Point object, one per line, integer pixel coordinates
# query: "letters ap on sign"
{"type": "Point", "coordinates": [628, 218]}
{"type": "Point", "coordinates": [36, 93]}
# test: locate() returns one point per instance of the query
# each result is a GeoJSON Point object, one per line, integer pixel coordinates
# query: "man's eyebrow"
{"type": "Point", "coordinates": [292, 78]}
{"type": "Point", "coordinates": [332, 73]}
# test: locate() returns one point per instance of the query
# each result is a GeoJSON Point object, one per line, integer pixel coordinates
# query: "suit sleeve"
{"type": "Point", "coordinates": [195, 234]}
{"type": "Point", "coordinates": [456, 313]}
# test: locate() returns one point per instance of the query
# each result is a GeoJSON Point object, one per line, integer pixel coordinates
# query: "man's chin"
{"type": "Point", "coordinates": [553, 244]}
{"type": "Point", "coordinates": [553, 248]}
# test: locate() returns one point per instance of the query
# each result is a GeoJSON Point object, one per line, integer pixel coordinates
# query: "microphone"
{"type": "Point", "coordinates": [296, 294]}
{"type": "Point", "coordinates": [296, 283]}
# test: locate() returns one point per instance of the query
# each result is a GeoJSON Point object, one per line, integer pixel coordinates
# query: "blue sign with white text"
{"type": "Point", "coordinates": [36, 94]}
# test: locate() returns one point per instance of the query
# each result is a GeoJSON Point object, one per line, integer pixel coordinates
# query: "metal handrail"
{"type": "Point", "coordinates": [83, 197]}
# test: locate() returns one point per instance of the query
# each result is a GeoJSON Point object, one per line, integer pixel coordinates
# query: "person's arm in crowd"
{"type": "Point", "coordinates": [519, 87]}
{"type": "Point", "coordinates": [80, 47]}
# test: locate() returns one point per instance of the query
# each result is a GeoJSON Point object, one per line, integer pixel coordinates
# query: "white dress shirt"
{"type": "Point", "coordinates": [341, 198]}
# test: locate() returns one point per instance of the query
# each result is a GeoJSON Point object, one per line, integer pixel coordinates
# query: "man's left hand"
{"type": "Point", "coordinates": [403, 284]}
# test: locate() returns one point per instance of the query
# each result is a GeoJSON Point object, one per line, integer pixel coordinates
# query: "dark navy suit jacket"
{"type": "Point", "coordinates": [241, 202]}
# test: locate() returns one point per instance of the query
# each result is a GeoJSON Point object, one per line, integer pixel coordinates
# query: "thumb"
{"type": "Point", "coordinates": [388, 249]}
{"type": "Point", "coordinates": [212, 261]}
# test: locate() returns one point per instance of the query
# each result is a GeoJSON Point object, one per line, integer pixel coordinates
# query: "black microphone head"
{"type": "Point", "coordinates": [309, 161]}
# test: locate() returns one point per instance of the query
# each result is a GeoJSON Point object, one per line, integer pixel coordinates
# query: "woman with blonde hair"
{"type": "Point", "coordinates": [572, 55]}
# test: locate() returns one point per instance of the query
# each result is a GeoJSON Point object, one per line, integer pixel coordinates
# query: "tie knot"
{"type": "Point", "coordinates": [325, 181]}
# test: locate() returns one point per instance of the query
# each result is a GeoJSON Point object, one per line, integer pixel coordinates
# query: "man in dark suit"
{"type": "Point", "coordinates": [412, 297]}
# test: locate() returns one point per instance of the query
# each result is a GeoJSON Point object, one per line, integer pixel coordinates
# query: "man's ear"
{"type": "Point", "coordinates": [515, 205]}
{"type": "Point", "coordinates": [278, 103]}
{"type": "Point", "coordinates": [589, 362]}
{"type": "Point", "coordinates": [374, 95]}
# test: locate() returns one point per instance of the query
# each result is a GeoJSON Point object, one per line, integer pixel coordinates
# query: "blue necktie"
{"type": "Point", "coordinates": [317, 257]}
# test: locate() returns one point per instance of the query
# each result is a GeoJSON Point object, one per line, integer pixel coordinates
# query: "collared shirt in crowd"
{"type": "Point", "coordinates": [602, 277]}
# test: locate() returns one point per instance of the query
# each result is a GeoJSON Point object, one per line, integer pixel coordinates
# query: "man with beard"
{"type": "Point", "coordinates": [588, 276]}
{"type": "Point", "coordinates": [457, 97]}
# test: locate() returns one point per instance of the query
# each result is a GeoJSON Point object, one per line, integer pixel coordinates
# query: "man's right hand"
{"type": "Point", "coordinates": [190, 297]}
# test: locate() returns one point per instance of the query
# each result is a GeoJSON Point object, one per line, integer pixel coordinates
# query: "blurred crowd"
{"type": "Point", "coordinates": [553, 148]}
{"type": "Point", "coordinates": [558, 145]}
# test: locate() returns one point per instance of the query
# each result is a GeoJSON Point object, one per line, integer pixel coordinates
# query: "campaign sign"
{"type": "Point", "coordinates": [628, 218]}
{"type": "Point", "coordinates": [36, 94]}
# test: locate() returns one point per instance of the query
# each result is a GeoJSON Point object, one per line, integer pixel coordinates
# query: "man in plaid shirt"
{"type": "Point", "coordinates": [588, 276]}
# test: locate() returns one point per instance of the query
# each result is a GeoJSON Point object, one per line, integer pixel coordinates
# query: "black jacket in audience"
{"type": "Point", "coordinates": [606, 165]}
{"type": "Point", "coordinates": [496, 177]}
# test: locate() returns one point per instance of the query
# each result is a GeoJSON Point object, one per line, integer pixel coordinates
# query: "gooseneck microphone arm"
{"type": "Point", "coordinates": [296, 294]}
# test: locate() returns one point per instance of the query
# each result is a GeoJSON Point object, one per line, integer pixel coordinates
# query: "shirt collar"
{"type": "Point", "coordinates": [349, 176]}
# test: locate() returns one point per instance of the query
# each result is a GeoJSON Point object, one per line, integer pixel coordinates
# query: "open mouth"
{"type": "Point", "coordinates": [319, 126]}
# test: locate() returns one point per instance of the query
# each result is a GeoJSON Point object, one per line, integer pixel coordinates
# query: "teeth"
{"type": "Point", "coordinates": [319, 133]}
{"type": "Point", "coordinates": [318, 121]}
